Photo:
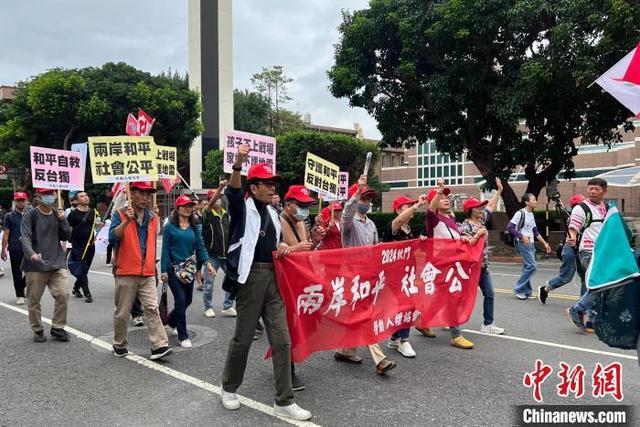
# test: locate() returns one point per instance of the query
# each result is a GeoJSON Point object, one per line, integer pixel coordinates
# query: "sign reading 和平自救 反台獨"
{"type": "Point", "coordinates": [57, 169]}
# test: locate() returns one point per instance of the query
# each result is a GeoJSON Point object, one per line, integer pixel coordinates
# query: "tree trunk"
{"type": "Point", "coordinates": [67, 139]}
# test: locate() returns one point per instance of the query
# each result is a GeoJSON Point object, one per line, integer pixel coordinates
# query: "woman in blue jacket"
{"type": "Point", "coordinates": [182, 249]}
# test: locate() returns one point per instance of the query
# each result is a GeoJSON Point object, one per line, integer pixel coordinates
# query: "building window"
{"type": "Point", "coordinates": [432, 165]}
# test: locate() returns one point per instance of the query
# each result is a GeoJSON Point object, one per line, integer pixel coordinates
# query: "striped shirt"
{"type": "Point", "coordinates": [598, 212]}
{"type": "Point", "coordinates": [355, 230]}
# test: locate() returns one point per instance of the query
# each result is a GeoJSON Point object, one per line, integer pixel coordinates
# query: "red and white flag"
{"type": "Point", "coordinates": [622, 81]}
{"type": "Point", "coordinates": [116, 188]}
{"type": "Point", "coordinates": [132, 125]}
{"type": "Point", "coordinates": [145, 123]}
{"type": "Point", "coordinates": [168, 184]}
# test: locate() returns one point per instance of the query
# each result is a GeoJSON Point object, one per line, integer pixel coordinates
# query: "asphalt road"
{"type": "Point", "coordinates": [81, 383]}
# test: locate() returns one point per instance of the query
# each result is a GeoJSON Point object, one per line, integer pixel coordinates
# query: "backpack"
{"type": "Point", "coordinates": [588, 220]}
{"type": "Point", "coordinates": [508, 237]}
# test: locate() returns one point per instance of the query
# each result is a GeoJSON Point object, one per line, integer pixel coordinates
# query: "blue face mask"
{"type": "Point", "coordinates": [363, 209]}
{"type": "Point", "coordinates": [302, 214]}
{"type": "Point", "coordinates": [48, 199]}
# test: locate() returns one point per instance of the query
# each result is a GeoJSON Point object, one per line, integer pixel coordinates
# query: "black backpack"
{"type": "Point", "coordinates": [508, 237]}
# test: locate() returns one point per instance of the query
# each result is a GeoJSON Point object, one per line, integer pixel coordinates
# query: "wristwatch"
{"type": "Point", "coordinates": [236, 168]}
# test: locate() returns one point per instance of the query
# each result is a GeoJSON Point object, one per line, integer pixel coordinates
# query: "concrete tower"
{"type": "Point", "coordinates": [210, 73]}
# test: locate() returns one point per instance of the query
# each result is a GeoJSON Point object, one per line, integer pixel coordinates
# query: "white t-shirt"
{"type": "Point", "coordinates": [529, 222]}
{"type": "Point", "coordinates": [598, 212]}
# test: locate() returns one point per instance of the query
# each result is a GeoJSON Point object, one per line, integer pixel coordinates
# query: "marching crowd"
{"type": "Point", "coordinates": [240, 239]}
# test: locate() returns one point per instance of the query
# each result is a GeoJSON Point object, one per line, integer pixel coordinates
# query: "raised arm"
{"type": "Point", "coordinates": [493, 203]}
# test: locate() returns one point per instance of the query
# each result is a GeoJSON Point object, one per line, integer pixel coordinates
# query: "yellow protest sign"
{"type": "Point", "coordinates": [122, 158]}
{"type": "Point", "coordinates": [166, 162]}
{"type": "Point", "coordinates": [321, 176]}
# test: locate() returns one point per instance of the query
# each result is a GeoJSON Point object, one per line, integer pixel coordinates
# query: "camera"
{"type": "Point", "coordinates": [555, 196]}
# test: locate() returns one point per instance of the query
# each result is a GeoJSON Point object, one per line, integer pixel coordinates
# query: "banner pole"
{"type": "Point", "coordinates": [128, 190]}
{"type": "Point", "coordinates": [154, 196]}
{"type": "Point", "coordinates": [59, 200]}
{"type": "Point", "coordinates": [187, 185]}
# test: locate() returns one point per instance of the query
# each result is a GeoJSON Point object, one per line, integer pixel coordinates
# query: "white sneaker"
{"type": "Point", "coordinates": [229, 312]}
{"type": "Point", "coordinates": [186, 343]}
{"type": "Point", "coordinates": [138, 321]}
{"type": "Point", "coordinates": [392, 343]}
{"type": "Point", "coordinates": [20, 301]}
{"type": "Point", "coordinates": [291, 411]}
{"type": "Point", "coordinates": [406, 350]}
{"type": "Point", "coordinates": [172, 332]}
{"type": "Point", "coordinates": [491, 329]}
{"type": "Point", "coordinates": [521, 297]}
{"type": "Point", "coordinates": [230, 401]}
{"type": "Point", "coordinates": [209, 313]}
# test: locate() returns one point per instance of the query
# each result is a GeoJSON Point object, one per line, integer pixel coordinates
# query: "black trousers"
{"type": "Point", "coordinates": [82, 282]}
{"type": "Point", "coordinates": [19, 283]}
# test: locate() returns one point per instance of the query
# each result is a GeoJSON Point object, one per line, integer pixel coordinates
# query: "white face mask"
{"type": "Point", "coordinates": [48, 199]}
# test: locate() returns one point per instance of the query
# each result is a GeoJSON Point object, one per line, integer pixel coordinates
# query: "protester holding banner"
{"type": "Point", "coordinates": [44, 263]}
{"type": "Point", "coordinates": [441, 224]}
{"type": "Point", "coordinates": [359, 230]}
{"type": "Point", "coordinates": [330, 219]}
{"type": "Point", "coordinates": [478, 213]}
{"type": "Point", "coordinates": [83, 221]}
{"type": "Point", "coordinates": [133, 232]}
{"type": "Point", "coordinates": [397, 230]}
{"type": "Point", "coordinates": [11, 243]}
{"type": "Point", "coordinates": [182, 249]}
{"type": "Point", "coordinates": [295, 233]}
{"type": "Point", "coordinates": [255, 234]}
{"type": "Point", "coordinates": [215, 231]}
{"type": "Point", "coordinates": [584, 227]}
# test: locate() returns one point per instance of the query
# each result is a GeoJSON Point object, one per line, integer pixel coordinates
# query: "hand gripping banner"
{"type": "Point", "coordinates": [358, 296]}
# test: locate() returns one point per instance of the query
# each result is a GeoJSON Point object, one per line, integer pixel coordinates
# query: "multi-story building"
{"type": "Point", "coordinates": [413, 171]}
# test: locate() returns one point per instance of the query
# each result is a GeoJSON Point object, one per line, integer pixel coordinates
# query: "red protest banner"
{"type": "Point", "coordinates": [358, 296]}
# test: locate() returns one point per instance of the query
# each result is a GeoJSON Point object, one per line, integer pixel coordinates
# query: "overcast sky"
{"type": "Point", "coordinates": [152, 35]}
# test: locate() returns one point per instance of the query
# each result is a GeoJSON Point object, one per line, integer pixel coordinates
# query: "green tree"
{"type": "Point", "coordinates": [272, 83]}
{"type": "Point", "coordinates": [213, 167]}
{"type": "Point", "coordinates": [347, 152]}
{"type": "Point", "coordinates": [464, 72]}
{"type": "Point", "coordinates": [61, 107]}
{"type": "Point", "coordinates": [251, 112]}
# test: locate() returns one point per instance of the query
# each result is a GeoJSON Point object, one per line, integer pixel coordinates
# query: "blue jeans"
{"type": "Point", "coordinates": [567, 268]}
{"type": "Point", "coordinates": [486, 286]}
{"type": "Point", "coordinates": [587, 300]}
{"type": "Point", "coordinates": [529, 267]}
{"type": "Point", "coordinates": [208, 285]}
{"type": "Point", "coordinates": [403, 334]}
{"type": "Point", "coordinates": [182, 296]}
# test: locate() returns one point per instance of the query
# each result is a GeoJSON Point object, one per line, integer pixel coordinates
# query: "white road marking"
{"type": "Point", "coordinates": [552, 344]}
{"type": "Point", "coordinates": [266, 409]}
{"type": "Point", "coordinates": [101, 273]}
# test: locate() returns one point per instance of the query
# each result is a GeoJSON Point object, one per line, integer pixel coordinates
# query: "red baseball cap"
{"type": "Point", "coordinates": [326, 212]}
{"type": "Point", "coordinates": [20, 195]}
{"type": "Point", "coordinates": [399, 201]}
{"type": "Point", "coordinates": [44, 190]}
{"type": "Point", "coordinates": [262, 172]}
{"type": "Point", "coordinates": [300, 194]}
{"type": "Point", "coordinates": [144, 186]}
{"type": "Point", "coordinates": [367, 193]}
{"type": "Point", "coordinates": [575, 199]}
{"type": "Point", "coordinates": [184, 200]}
{"type": "Point", "coordinates": [472, 202]}
{"type": "Point", "coordinates": [434, 191]}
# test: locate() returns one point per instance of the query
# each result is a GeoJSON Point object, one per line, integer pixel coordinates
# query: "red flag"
{"type": "Point", "coordinates": [116, 188]}
{"type": "Point", "coordinates": [145, 123]}
{"type": "Point", "coordinates": [357, 296]}
{"type": "Point", "coordinates": [168, 184]}
{"type": "Point", "coordinates": [132, 125]}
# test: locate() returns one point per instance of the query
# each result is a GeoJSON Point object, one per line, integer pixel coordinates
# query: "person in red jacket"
{"type": "Point", "coordinates": [333, 238]}
{"type": "Point", "coordinates": [133, 232]}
